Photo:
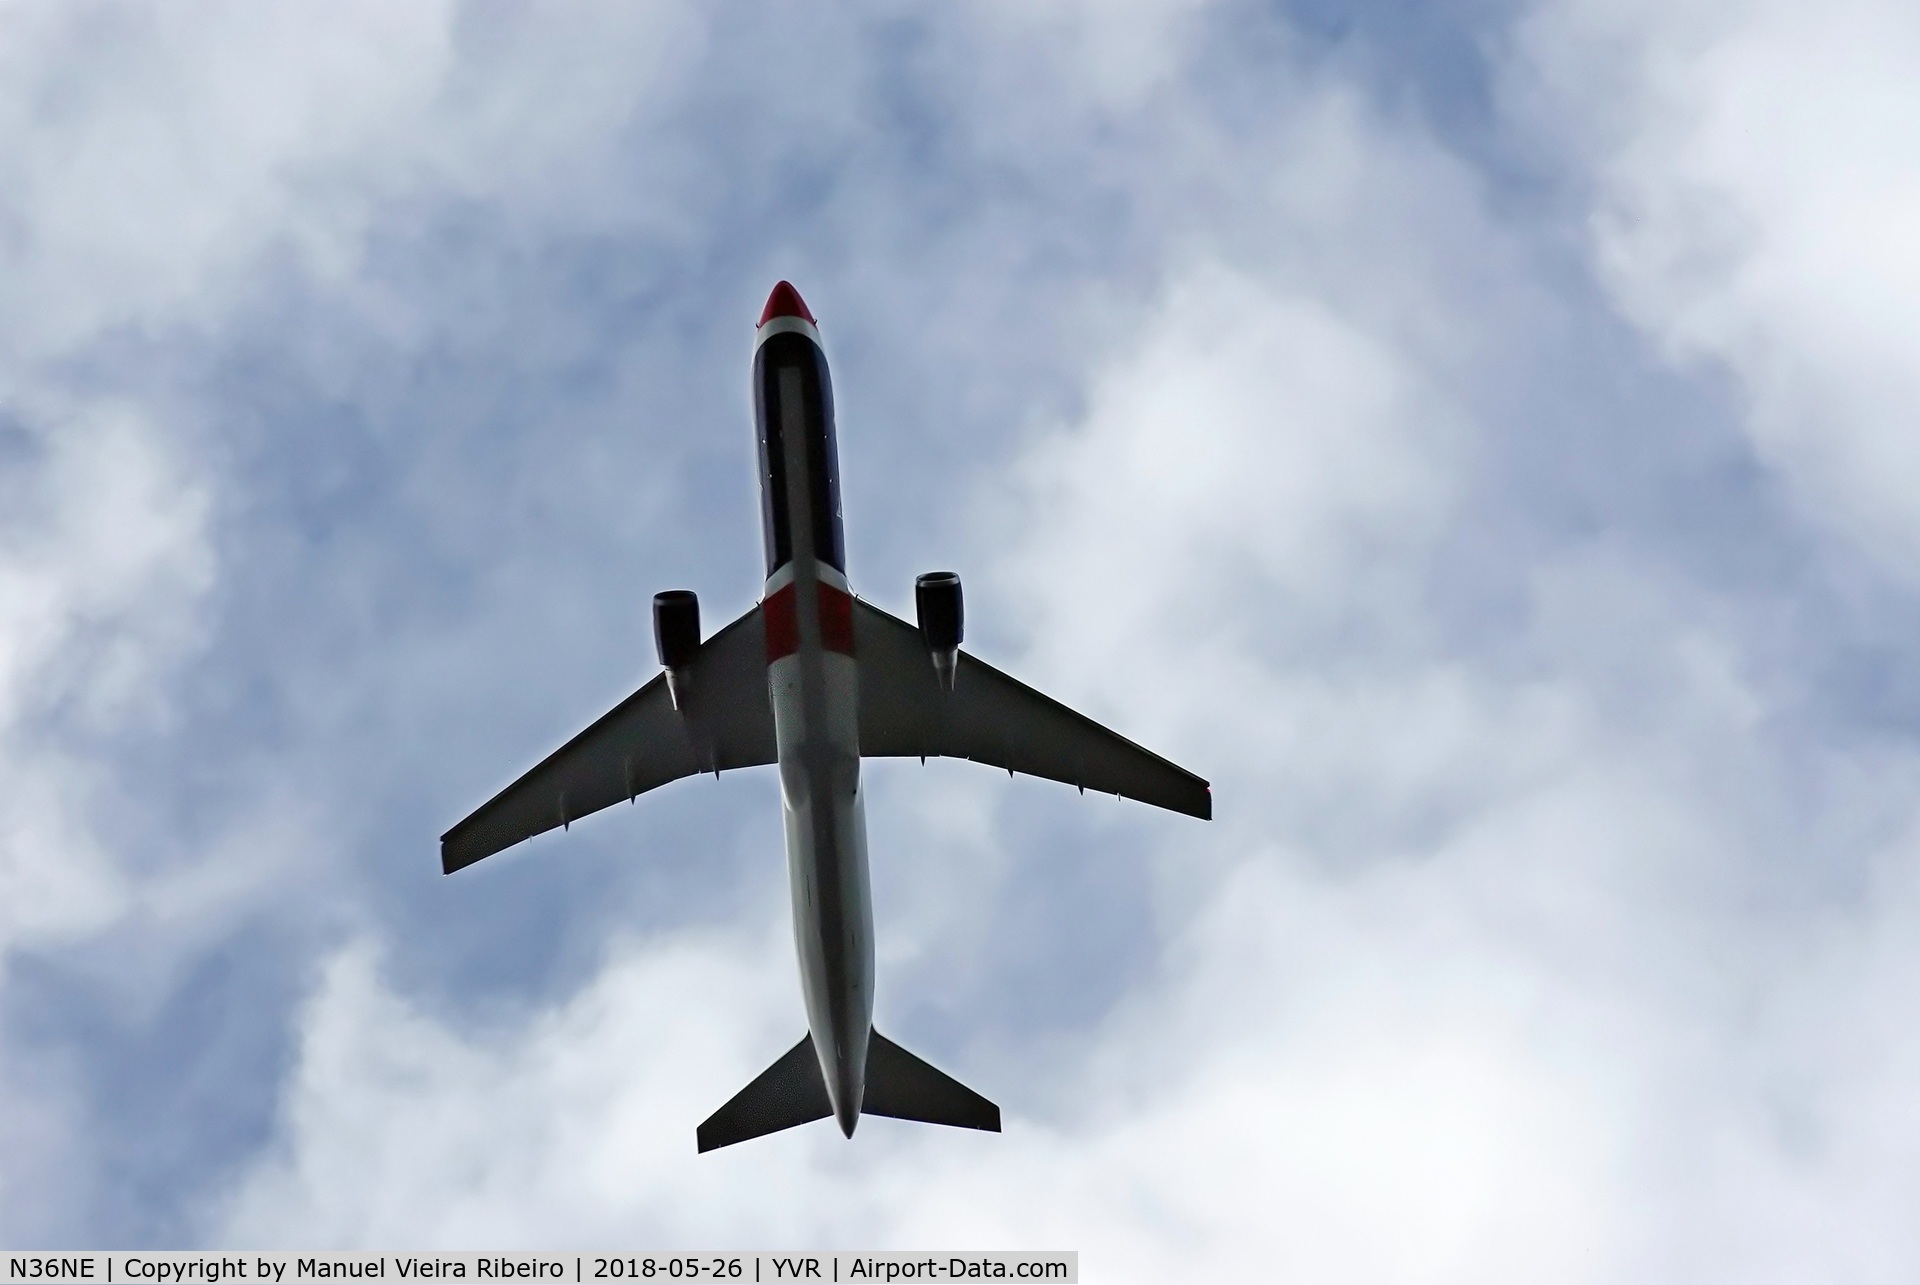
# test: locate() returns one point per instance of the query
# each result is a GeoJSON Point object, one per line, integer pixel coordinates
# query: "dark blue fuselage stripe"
{"type": "Point", "coordinates": [814, 435]}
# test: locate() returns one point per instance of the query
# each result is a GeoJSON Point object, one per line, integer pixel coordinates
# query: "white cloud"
{"type": "Point", "coordinates": [147, 159]}
{"type": "Point", "coordinates": [152, 164]}
{"type": "Point", "coordinates": [101, 564]}
{"type": "Point", "coordinates": [1754, 168]}
{"type": "Point", "coordinates": [1480, 975]}
{"type": "Point", "coordinates": [103, 560]}
{"type": "Point", "coordinates": [152, 155]}
{"type": "Point", "coordinates": [151, 158]}
{"type": "Point", "coordinates": [1252, 460]}
{"type": "Point", "coordinates": [1342, 1072]}
{"type": "Point", "coordinates": [1467, 982]}
{"type": "Point", "coordinates": [402, 1131]}
{"type": "Point", "coordinates": [1117, 56]}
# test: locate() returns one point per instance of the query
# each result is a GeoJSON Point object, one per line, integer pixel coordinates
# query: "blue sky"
{"type": "Point", "coordinates": [1478, 437]}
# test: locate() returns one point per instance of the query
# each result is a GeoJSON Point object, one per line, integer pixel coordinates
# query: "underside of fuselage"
{"type": "Point", "coordinates": [814, 714]}
{"type": "Point", "coordinates": [813, 685]}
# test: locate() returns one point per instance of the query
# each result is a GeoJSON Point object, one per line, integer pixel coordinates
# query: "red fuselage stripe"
{"type": "Point", "coordinates": [836, 620]}
{"type": "Point", "coordinates": [783, 623]}
{"type": "Point", "coordinates": [783, 627]}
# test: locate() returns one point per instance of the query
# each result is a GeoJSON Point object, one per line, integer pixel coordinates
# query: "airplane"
{"type": "Point", "coordinates": [814, 679]}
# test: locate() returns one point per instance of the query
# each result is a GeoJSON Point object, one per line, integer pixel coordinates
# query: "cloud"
{"type": "Point", "coordinates": [1468, 979]}
{"type": "Point", "coordinates": [104, 561]}
{"type": "Point", "coordinates": [1752, 170]}
{"type": "Point", "coordinates": [153, 156]}
{"type": "Point", "coordinates": [1554, 923]}
{"type": "Point", "coordinates": [517, 1135]}
{"type": "Point", "coordinates": [1251, 452]}
{"type": "Point", "coordinates": [150, 161]}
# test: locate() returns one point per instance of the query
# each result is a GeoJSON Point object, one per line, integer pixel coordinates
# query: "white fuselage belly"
{"type": "Point", "coordinates": [813, 680]}
{"type": "Point", "coordinates": [816, 728]}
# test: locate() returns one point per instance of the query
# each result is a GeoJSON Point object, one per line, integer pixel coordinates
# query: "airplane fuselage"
{"type": "Point", "coordinates": [813, 683]}
{"type": "Point", "coordinates": [782, 685]}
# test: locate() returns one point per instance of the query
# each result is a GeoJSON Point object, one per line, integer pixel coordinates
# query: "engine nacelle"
{"type": "Point", "coordinates": [676, 635]}
{"type": "Point", "coordinates": [936, 598]}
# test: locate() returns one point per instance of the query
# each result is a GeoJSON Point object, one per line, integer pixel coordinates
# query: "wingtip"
{"type": "Point", "coordinates": [451, 861]}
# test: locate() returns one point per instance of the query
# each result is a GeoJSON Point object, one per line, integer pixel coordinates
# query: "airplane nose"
{"type": "Point", "coordinates": [785, 301]}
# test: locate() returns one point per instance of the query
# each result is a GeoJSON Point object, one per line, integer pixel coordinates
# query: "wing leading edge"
{"type": "Point", "coordinates": [991, 718]}
{"type": "Point", "coordinates": [641, 743]}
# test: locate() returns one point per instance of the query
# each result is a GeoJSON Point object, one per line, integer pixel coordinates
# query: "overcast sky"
{"type": "Point", "coordinates": [1481, 437]}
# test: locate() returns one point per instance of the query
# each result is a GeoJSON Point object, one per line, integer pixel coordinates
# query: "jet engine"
{"type": "Point", "coordinates": [936, 599]}
{"type": "Point", "coordinates": [676, 633]}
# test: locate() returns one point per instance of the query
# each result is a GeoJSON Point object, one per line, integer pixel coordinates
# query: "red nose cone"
{"type": "Point", "coordinates": [785, 301]}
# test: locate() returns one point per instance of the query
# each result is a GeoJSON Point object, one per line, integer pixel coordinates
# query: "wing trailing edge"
{"type": "Point", "coordinates": [641, 743]}
{"type": "Point", "coordinates": [991, 718]}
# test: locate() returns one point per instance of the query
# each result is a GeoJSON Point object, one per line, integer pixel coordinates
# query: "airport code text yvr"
{"type": "Point", "coordinates": [180, 1267]}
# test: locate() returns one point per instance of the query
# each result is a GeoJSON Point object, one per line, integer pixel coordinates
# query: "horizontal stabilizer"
{"type": "Point", "coordinates": [791, 1092]}
{"type": "Point", "coordinates": [787, 1093]}
{"type": "Point", "coordinates": [902, 1086]}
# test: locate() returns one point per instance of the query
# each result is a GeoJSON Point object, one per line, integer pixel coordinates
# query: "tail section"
{"type": "Point", "coordinates": [902, 1086]}
{"type": "Point", "coordinates": [792, 1091]}
{"type": "Point", "coordinates": [789, 1092]}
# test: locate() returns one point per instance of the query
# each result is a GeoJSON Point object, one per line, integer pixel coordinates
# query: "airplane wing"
{"type": "Point", "coordinates": [991, 718]}
{"type": "Point", "coordinates": [639, 744]}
